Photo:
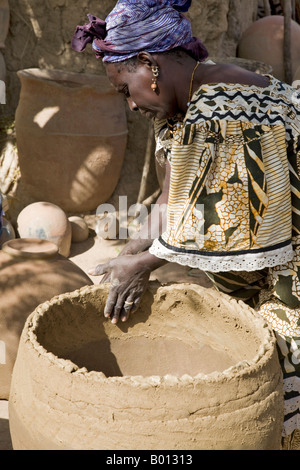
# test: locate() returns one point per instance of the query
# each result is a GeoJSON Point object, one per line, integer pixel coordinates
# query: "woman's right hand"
{"type": "Point", "coordinates": [129, 276]}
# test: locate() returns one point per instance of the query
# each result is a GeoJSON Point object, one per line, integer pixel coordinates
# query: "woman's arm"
{"type": "Point", "coordinates": [154, 224]}
{"type": "Point", "coordinates": [129, 273]}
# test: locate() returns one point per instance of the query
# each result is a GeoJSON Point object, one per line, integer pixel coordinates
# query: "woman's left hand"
{"type": "Point", "coordinates": [129, 278]}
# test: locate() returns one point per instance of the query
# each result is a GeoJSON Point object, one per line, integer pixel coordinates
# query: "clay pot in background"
{"type": "Point", "coordinates": [190, 370]}
{"type": "Point", "coordinates": [71, 132]}
{"type": "Point", "coordinates": [48, 222]}
{"type": "Point", "coordinates": [263, 41]}
{"type": "Point", "coordinates": [80, 229]}
{"type": "Point", "coordinates": [31, 272]}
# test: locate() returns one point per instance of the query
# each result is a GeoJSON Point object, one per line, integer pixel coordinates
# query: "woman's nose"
{"type": "Point", "coordinates": [132, 105]}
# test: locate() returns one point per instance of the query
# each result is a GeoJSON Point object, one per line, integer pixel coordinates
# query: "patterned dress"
{"type": "Point", "coordinates": [234, 206]}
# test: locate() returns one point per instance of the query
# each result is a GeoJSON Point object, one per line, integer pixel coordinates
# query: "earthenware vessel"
{"type": "Point", "coordinates": [48, 222]}
{"type": "Point", "coordinates": [31, 272]}
{"type": "Point", "coordinates": [71, 133]}
{"type": "Point", "coordinates": [263, 41]}
{"type": "Point", "coordinates": [190, 370]}
{"type": "Point", "coordinates": [80, 229]}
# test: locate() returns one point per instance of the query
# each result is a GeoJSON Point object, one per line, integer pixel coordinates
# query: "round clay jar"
{"type": "Point", "coordinates": [31, 272]}
{"type": "Point", "coordinates": [80, 229]}
{"type": "Point", "coordinates": [263, 41]}
{"type": "Point", "coordinates": [46, 221]}
{"type": "Point", "coordinates": [190, 370]}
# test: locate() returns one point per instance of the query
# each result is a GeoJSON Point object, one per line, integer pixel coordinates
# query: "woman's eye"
{"type": "Point", "coordinates": [126, 92]}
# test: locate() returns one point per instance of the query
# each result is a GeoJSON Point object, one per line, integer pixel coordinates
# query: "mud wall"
{"type": "Point", "coordinates": [40, 34]}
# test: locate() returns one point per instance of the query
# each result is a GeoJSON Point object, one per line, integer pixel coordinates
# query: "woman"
{"type": "Point", "coordinates": [232, 147]}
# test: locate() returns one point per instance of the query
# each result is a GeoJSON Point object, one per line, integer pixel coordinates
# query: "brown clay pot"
{"type": "Point", "coordinates": [80, 229]}
{"type": "Point", "coordinates": [48, 222]}
{"type": "Point", "coordinates": [31, 272]}
{"type": "Point", "coordinates": [263, 41]}
{"type": "Point", "coordinates": [71, 132]}
{"type": "Point", "coordinates": [190, 370]}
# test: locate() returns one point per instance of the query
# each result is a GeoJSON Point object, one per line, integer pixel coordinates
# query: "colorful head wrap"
{"type": "Point", "coordinates": [140, 25]}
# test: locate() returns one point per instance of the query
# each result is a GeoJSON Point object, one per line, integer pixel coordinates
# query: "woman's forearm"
{"type": "Point", "coordinates": [150, 262]}
{"type": "Point", "coordinates": [155, 223]}
{"type": "Point", "coordinates": [152, 228]}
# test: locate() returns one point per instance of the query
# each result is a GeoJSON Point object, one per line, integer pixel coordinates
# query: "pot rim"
{"type": "Point", "coordinates": [61, 78]}
{"type": "Point", "coordinates": [244, 367]}
{"type": "Point", "coordinates": [32, 248]}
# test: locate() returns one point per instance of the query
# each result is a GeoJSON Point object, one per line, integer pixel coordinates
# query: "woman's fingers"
{"type": "Point", "coordinates": [127, 308]}
{"type": "Point", "coordinates": [99, 270]}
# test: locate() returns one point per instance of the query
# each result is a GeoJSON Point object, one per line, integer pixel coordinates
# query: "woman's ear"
{"type": "Point", "coordinates": [145, 58]}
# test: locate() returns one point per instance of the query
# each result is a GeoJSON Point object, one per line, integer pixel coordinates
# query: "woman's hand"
{"type": "Point", "coordinates": [129, 277]}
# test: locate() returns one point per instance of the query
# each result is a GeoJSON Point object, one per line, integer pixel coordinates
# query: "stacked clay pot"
{"type": "Point", "coordinates": [31, 272]}
{"type": "Point", "coordinates": [190, 370]}
{"type": "Point", "coordinates": [48, 222]}
{"type": "Point", "coordinates": [71, 132]}
{"type": "Point", "coordinates": [264, 40]}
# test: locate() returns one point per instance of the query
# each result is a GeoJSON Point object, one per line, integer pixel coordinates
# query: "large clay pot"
{"type": "Point", "coordinates": [263, 41]}
{"type": "Point", "coordinates": [31, 272]}
{"type": "Point", "coordinates": [71, 135]}
{"type": "Point", "coordinates": [191, 369]}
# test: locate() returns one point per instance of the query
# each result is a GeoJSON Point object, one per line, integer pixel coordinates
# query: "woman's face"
{"type": "Point", "coordinates": [136, 87]}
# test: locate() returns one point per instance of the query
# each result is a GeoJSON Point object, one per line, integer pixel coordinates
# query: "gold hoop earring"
{"type": "Point", "coordinates": [155, 72]}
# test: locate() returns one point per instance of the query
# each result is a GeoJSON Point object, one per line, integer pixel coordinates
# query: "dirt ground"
{"type": "Point", "coordinates": [88, 254]}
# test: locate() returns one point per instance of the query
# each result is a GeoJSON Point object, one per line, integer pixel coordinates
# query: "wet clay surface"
{"type": "Point", "coordinates": [161, 380]}
{"type": "Point", "coordinates": [178, 332]}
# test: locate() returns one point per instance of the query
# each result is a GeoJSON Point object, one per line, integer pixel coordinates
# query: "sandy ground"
{"type": "Point", "coordinates": [87, 255]}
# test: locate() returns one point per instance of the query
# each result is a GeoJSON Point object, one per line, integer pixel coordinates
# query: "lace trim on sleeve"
{"type": "Point", "coordinates": [230, 262]}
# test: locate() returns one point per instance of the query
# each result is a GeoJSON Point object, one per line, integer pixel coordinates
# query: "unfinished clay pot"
{"type": "Point", "coordinates": [31, 272]}
{"type": "Point", "coordinates": [71, 132]}
{"type": "Point", "coordinates": [263, 41]}
{"type": "Point", "coordinates": [48, 222]}
{"type": "Point", "coordinates": [191, 369]}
